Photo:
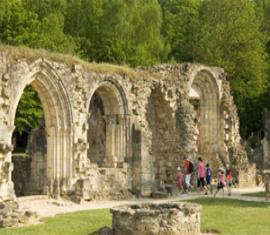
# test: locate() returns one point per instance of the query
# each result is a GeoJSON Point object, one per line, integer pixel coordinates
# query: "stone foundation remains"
{"type": "Point", "coordinates": [11, 215]}
{"type": "Point", "coordinates": [150, 219]}
{"type": "Point", "coordinates": [155, 219]}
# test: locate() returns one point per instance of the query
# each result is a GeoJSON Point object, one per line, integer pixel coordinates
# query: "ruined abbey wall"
{"type": "Point", "coordinates": [266, 142]}
{"type": "Point", "coordinates": [110, 130]}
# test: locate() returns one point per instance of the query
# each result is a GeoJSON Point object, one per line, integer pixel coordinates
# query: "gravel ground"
{"type": "Point", "coordinates": [46, 207]}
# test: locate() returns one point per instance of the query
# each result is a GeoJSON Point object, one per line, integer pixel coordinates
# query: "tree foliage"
{"type": "Point", "coordinates": [233, 34]}
{"type": "Point", "coordinates": [180, 26]}
{"type": "Point", "coordinates": [29, 112]}
{"type": "Point", "coordinates": [117, 31]}
{"type": "Point", "coordinates": [230, 37]}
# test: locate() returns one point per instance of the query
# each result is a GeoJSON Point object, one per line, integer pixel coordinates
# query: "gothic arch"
{"type": "Point", "coordinates": [108, 125]}
{"type": "Point", "coordinates": [58, 124]}
{"type": "Point", "coordinates": [205, 96]}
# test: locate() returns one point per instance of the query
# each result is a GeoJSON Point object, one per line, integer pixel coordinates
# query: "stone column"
{"type": "Point", "coordinates": [110, 140]}
{"type": "Point", "coordinates": [147, 168]}
{"type": "Point", "coordinates": [59, 159]}
{"type": "Point", "coordinates": [122, 137]}
{"type": "Point", "coordinates": [6, 166]}
{"type": "Point", "coordinates": [52, 167]}
{"type": "Point", "coordinates": [68, 158]}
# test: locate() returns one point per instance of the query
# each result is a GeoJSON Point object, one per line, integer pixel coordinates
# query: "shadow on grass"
{"type": "Point", "coordinates": [102, 231]}
{"type": "Point", "coordinates": [229, 202]}
{"type": "Point", "coordinates": [210, 231]}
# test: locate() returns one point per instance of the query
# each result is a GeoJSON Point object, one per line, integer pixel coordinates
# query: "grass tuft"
{"type": "Point", "coordinates": [30, 55]}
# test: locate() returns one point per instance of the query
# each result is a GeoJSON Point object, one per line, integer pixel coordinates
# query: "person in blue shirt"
{"type": "Point", "coordinates": [209, 178]}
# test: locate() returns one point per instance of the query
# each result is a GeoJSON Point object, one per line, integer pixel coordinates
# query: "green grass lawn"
{"type": "Point", "coordinates": [235, 217]}
{"type": "Point", "coordinates": [228, 217]}
{"type": "Point", "coordinates": [78, 223]}
{"type": "Point", "coordinates": [257, 194]}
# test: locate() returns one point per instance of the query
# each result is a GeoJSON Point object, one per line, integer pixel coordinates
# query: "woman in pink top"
{"type": "Point", "coordinates": [221, 181]}
{"type": "Point", "coordinates": [201, 174]}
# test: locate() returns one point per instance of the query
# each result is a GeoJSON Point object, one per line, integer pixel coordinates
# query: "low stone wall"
{"type": "Point", "coordinates": [154, 219]}
{"type": "Point", "coordinates": [103, 183]}
{"type": "Point", "coordinates": [12, 216]}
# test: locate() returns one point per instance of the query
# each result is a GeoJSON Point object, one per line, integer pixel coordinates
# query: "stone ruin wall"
{"type": "Point", "coordinates": [148, 116]}
{"type": "Point", "coordinates": [264, 155]}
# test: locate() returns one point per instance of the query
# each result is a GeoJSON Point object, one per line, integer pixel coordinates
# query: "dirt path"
{"type": "Point", "coordinates": [49, 207]}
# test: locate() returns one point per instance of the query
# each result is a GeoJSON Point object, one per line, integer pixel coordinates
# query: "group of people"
{"type": "Point", "coordinates": [204, 177]}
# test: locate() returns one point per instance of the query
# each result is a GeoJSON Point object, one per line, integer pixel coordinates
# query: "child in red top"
{"type": "Point", "coordinates": [221, 181]}
{"type": "Point", "coordinates": [180, 180]}
{"type": "Point", "coordinates": [188, 171]}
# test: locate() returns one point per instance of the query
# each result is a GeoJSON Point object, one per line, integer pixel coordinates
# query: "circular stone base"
{"type": "Point", "coordinates": [154, 219]}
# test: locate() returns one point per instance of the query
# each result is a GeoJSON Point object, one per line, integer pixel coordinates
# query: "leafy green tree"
{"type": "Point", "coordinates": [117, 31]}
{"type": "Point", "coordinates": [230, 37]}
{"type": "Point", "coordinates": [29, 111]}
{"type": "Point", "coordinates": [22, 26]}
{"type": "Point", "coordinates": [43, 8]}
{"type": "Point", "coordinates": [17, 26]}
{"type": "Point", "coordinates": [51, 16]}
{"type": "Point", "coordinates": [180, 26]}
{"type": "Point", "coordinates": [263, 14]}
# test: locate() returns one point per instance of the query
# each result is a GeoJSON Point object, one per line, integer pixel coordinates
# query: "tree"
{"type": "Point", "coordinates": [29, 111]}
{"type": "Point", "coordinates": [180, 26]}
{"type": "Point", "coordinates": [22, 25]}
{"type": "Point", "coordinates": [117, 31]}
{"type": "Point", "coordinates": [230, 37]}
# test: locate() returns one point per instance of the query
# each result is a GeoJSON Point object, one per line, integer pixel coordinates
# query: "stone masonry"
{"type": "Point", "coordinates": [156, 219]}
{"type": "Point", "coordinates": [111, 130]}
{"type": "Point", "coordinates": [266, 140]}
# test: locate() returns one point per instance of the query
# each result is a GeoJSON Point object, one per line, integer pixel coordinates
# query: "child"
{"type": "Point", "coordinates": [209, 178]}
{"type": "Point", "coordinates": [221, 182]}
{"type": "Point", "coordinates": [180, 180]}
{"type": "Point", "coordinates": [267, 185]}
{"type": "Point", "coordinates": [229, 179]}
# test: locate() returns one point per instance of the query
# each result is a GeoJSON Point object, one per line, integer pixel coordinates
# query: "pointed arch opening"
{"type": "Point", "coordinates": [107, 132]}
{"type": "Point", "coordinates": [204, 96]}
{"type": "Point", "coordinates": [50, 145]}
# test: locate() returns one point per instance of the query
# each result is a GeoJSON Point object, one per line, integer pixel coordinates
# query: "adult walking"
{"type": "Point", "coordinates": [201, 174]}
{"type": "Point", "coordinates": [188, 171]}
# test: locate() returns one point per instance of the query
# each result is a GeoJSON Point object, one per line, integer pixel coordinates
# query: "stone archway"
{"type": "Point", "coordinates": [107, 126]}
{"type": "Point", "coordinates": [204, 96]}
{"type": "Point", "coordinates": [162, 125]}
{"type": "Point", "coordinates": [58, 123]}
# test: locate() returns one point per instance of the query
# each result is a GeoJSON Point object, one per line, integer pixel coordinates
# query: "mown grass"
{"type": "Point", "coordinates": [257, 194]}
{"type": "Point", "coordinates": [224, 216]}
{"type": "Point", "coordinates": [78, 223]}
{"type": "Point", "coordinates": [235, 217]}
